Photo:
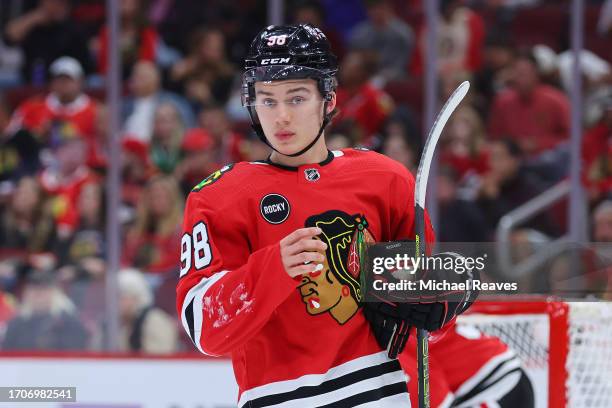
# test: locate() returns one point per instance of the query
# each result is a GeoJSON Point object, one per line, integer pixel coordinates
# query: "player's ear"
{"type": "Point", "coordinates": [331, 102]}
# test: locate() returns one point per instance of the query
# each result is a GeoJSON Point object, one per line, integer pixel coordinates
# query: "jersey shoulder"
{"type": "Point", "coordinates": [230, 180]}
{"type": "Point", "coordinates": [360, 159]}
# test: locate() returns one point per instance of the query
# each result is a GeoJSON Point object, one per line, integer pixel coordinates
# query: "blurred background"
{"type": "Point", "coordinates": [531, 145]}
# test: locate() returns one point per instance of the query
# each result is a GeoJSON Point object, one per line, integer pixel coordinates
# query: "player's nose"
{"type": "Point", "coordinates": [283, 115]}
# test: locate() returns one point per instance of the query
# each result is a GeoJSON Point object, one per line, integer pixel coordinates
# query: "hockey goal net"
{"type": "Point", "coordinates": [566, 348]}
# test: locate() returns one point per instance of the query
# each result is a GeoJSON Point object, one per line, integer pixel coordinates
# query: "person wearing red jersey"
{"type": "Point", "coordinates": [269, 267]}
{"type": "Point", "coordinates": [470, 369]}
{"type": "Point", "coordinates": [66, 106]}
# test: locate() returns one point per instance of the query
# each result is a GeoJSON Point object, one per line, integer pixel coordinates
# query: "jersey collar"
{"type": "Point", "coordinates": [328, 159]}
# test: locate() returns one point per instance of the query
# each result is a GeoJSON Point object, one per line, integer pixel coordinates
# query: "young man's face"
{"type": "Point", "coordinates": [66, 89]}
{"type": "Point", "coordinates": [290, 112]}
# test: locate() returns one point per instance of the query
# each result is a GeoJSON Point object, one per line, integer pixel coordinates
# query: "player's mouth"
{"type": "Point", "coordinates": [314, 302]}
{"type": "Point", "coordinates": [284, 135]}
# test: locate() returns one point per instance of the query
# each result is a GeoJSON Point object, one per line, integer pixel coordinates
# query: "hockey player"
{"type": "Point", "coordinates": [482, 373]}
{"type": "Point", "coordinates": [268, 270]}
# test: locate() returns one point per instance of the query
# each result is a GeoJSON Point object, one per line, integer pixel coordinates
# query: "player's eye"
{"type": "Point", "coordinates": [297, 100]}
{"type": "Point", "coordinates": [270, 103]}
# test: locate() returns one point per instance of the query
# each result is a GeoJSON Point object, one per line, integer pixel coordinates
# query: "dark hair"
{"type": "Point", "coordinates": [500, 38]}
{"type": "Point", "coordinates": [405, 118]}
{"type": "Point", "coordinates": [310, 4]}
{"type": "Point", "coordinates": [526, 54]}
{"type": "Point", "coordinates": [373, 3]}
{"type": "Point", "coordinates": [511, 147]}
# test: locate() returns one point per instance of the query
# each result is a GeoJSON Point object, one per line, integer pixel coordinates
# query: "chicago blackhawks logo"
{"type": "Point", "coordinates": [336, 288]}
{"type": "Point", "coordinates": [213, 177]}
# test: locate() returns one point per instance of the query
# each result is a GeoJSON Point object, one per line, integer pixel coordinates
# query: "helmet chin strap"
{"type": "Point", "coordinates": [260, 133]}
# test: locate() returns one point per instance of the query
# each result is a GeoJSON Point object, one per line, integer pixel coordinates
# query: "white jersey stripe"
{"type": "Point", "coordinates": [196, 294]}
{"type": "Point", "coordinates": [345, 392]}
{"type": "Point", "coordinates": [447, 401]}
{"type": "Point", "coordinates": [494, 392]}
{"type": "Point", "coordinates": [280, 387]}
{"type": "Point", "coordinates": [485, 370]}
{"type": "Point", "coordinates": [393, 401]}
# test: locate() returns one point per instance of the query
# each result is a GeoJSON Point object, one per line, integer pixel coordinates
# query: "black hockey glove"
{"type": "Point", "coordinates": [392, 318]}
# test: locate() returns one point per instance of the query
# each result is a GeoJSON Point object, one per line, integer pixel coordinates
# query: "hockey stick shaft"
{"type": "Point", "coordinates": [419, 214]}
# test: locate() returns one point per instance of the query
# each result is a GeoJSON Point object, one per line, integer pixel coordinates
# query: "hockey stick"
{"type": "Point", "coordinates": [420, 191]}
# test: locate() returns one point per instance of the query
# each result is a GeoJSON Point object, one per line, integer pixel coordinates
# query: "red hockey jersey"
{"type": "Point", "coordinates": [466, 368]}
{"type": "Point", "coordinates": [293, 342]}
{"type": "Point", "coordinates": [36, 115]}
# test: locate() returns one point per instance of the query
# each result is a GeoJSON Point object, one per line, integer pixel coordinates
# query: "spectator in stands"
{"type": "Point", "coordinates": [399, 149]}
{"type": "Point", "coordinates": [358, 101]}
{"type": "Point", "coordinates": [168, 132]}
{"type": "Point", "coordinates": [228, 145]}
{"type": "Point", "coordinates": [81, 255]}
{"type": "Point", "coordinates": [153, 243]}
{"type": "Point", "coordinates": [534, 115]}
{"type": "Point", "coordinates": [507, 184]}
{"type": "Point", "coordinates": [4, 116]}
{"type": "Point", "coordinates": [204, 75]}
{"type": "Point", "coordinates": [596, 80]}
{"type": "Point", "coordinates": [337, 141]}
{"type": "Point", "coordinates": [463, 220]}
{"type": "Point", "coordinates": [460, 39]}
{"type": "Point", "coordinates": [399, 140]}
{"type": "Point", "coordinates": [45, 34]}
{"type": "Point", "coordinates": [602, 222]}
{"type": "Point", "coordinates": [312, 12]}
{"type": "Point", "coordinates": [597, 155]}
{"type": "Point", "coordinates": [138, 40]}
{"type": "Point", "coordinates": [97, 154]}
{"type": "Point", "coordinates": [146, 95]}
{"type": "Point", "coordinates": [46, 319]}
{"type": "Point", "coordinates": [196, 152]}
{"type": "Point", "coordinates": [65, 106]}
{"type": "Point", "coordinates": [496, 70]}
{"type": "Point", "coordinates": [463, 143]}
{"type": "Point", "coordinates": [18, 150]}
{"type": "Point", "coordinates": [144, 327]}
{"type": "Point", "coordinates": [388, 36]}
{"type": "Point", "coordinates": [63, 178]}
{"type": "Point", "coordinates": [136, 170]}
{"type": "Point", "coordinates": [26, 225]}
{"type": "Point", "coordinates": [7, 309]}
{"type": "Point", "coordinates": [604, 23]}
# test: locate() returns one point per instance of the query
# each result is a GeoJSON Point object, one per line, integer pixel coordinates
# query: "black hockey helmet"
{"type": "Point", "coordinates": [287, 52]}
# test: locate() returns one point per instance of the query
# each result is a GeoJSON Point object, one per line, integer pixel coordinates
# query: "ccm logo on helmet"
{"type": "Point", "coordinates": [268, 61]}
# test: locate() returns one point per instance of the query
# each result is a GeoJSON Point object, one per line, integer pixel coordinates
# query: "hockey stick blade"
{"type": "Point", "coordinates": [432, 140]}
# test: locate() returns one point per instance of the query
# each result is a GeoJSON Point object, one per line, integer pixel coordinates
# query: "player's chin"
{"type": "Point", "coordinates": [288, 147]}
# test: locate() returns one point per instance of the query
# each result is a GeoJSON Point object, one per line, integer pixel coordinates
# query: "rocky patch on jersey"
{"type": "Point", "coordinates": [213, 177]}
{"type": "Point", "coordinates": [336, 289]}
{"type": "Point", "coordinates": [274, 208]}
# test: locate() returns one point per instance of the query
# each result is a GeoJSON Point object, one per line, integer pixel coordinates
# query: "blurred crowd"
{"type": "Point", "coordinates": [181, 119]}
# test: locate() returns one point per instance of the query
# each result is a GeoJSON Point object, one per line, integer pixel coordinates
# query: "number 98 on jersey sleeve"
{"type": "Point", "coordinates": [195, 249]}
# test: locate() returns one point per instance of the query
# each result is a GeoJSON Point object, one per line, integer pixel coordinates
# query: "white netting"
{"type": "Point", "coordinates": [590, 355]}
{"type": "Point", "coordinates": [528, 336]}
{"type": "Point", "coordinates": [589, 362]}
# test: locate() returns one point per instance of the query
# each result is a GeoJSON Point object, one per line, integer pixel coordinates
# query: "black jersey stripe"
{"type": "Point", "coordinates": [481, 388]}
{"type": "Point", "coordinates": [189, 319]}
{"type": "Point", "coordinates": [370, 396]}
{"type": "Point", "coordinates": [482, 385]}
{"type": "Point", "coordinates": [333, 384]}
